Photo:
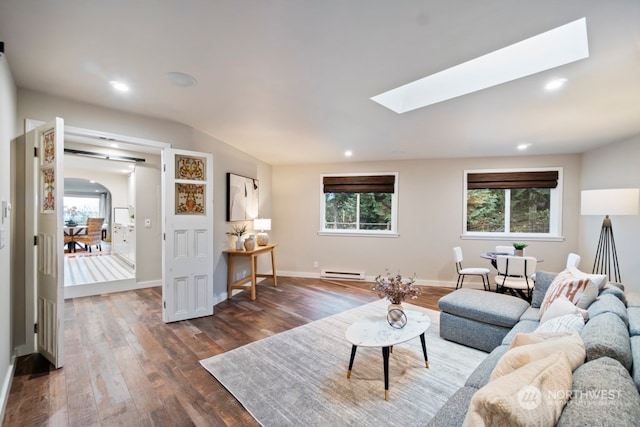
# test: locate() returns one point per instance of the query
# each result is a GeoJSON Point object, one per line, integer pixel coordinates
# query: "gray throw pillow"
{"type": "Point", "coordinates": [543, 280]}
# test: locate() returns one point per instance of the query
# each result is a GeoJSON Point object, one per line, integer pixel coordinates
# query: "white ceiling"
{"type": "Point", "coordinates": [291, 81]}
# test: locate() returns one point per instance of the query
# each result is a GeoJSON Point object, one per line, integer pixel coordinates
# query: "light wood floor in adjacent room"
{"type": "Point", "coordinates": [123, 366]}
{"type": "Point", "coordinates": [82, 270]}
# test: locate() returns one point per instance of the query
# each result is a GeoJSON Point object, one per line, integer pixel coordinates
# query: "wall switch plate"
{"type": "Point", "coordinates": [147, 223]}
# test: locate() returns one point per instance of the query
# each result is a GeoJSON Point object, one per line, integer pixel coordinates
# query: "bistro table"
{"type": "Point", "coordinates": [493, 257]}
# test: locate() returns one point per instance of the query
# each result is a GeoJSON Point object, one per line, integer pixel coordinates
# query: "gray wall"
{"type": "Point", "coordinates": [429, 221]}
{"type": "Point", "coordinates": [613, 166]}
{"type": "Point", "coordinates": [7, 133]}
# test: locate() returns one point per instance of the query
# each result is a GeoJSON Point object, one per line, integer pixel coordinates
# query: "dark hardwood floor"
{"type": "Point", "coordinates": [123, 366]}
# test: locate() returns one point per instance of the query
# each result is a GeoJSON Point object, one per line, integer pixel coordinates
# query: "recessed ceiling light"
{"type": "Point", "coordinates": [562, 45]}
{"type": "Point", "coordinates": [348, 153]}
{"type": "Point", "coordinates": [181, 79]}
{"type": "Point", "coordinates": [113, 145]}
{"type": "Point", "coordinates": [92, 181]}
{"type": "Point", "coordinates": [119, 86]}
{"type": "Point", "coordinates": [523, 146]}
{"type": "Point", "coordinates": [555, 84]}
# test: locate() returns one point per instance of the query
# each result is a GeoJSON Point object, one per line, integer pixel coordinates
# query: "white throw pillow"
{"type": "Point", "coordinates": [562, 324]}
{"type": "Point", "coordinates": [560, 307]}
{"type": "Point", "coordinates": [599, 279]}
{"type": "Point", "coordinates": [579, 290]}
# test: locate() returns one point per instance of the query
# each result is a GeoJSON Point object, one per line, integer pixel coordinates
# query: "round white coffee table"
{"type": "Point", "coordinates": [376, 332]}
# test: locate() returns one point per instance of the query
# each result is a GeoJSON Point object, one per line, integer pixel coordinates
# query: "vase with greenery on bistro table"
{"type": "Point", "coordinates": [395, 289]}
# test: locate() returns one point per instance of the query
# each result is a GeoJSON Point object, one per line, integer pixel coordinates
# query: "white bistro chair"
{"type": "Point", "coordinates": [573, 260]}
{"type": "Point", "coordinates": [509, 250]}
{"type": "Point", "coordinates": [515, 275]}
{"type": "Point", "coordinates": [471, 271]}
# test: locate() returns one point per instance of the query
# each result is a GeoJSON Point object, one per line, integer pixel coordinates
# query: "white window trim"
{"type": "Point", "coordinates": [361, 233]}
{"type": "Point", "coordinates": [555, 220]}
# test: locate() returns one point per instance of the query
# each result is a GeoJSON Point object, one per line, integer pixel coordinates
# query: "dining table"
{"type": "Point", "coordinates": [73, 230]}
{"type": "Point", "coordinates": [493, 256]}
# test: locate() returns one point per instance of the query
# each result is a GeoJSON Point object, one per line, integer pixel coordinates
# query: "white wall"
{"type": "Point", "coordinates": [613, 166]}
{"type": "Point", "coordinates": [430, 219]}
{"type": "Point", "coordinates": [7, 133]}
{"type": "Point", "coordinates": [115, 183]}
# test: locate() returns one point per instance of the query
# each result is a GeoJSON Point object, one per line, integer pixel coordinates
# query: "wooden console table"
{"type": "Point", "coordinates": [253, 255]}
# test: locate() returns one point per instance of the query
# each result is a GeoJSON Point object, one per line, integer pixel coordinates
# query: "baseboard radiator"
{"type": "Point", "coordinates": [342, 274]}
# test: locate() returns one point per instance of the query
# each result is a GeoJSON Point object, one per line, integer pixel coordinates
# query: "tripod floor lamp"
{"type": "Point", "coordinates": [618, 201]}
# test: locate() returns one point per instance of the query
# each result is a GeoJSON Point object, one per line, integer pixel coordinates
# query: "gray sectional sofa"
{"type": "Point", "coordinates": [605, 389]}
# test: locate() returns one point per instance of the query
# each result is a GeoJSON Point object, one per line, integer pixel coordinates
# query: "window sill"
{"type": "Point", "coordinates": [357, 234]}
{"type": "Point", "coordinates": [519, 237]}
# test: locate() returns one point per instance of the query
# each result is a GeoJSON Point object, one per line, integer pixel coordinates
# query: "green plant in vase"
{"type": "Point", "coordinates": [519, 248]}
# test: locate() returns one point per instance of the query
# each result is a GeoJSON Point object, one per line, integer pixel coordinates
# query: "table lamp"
{"type": "Point", "coordinates": [616, 201]}
{"type": "Point", "coordinates": [262, 224]}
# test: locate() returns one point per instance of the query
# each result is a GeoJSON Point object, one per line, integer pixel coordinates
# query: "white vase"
{"type": "Point", "coordinates": [239, 244]}
{"type": "Point", "coordinates": [250, 243]}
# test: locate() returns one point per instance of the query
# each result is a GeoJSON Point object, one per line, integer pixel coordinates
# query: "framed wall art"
{"type": "Point", "coordinates": [242, 197]}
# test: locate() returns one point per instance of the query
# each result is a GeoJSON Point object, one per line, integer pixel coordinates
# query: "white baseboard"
{"type": "Point", "coordinates": [6, 386]}
{"type": "Point", "coordinates": [91, 289]}
{"type": "Point", "coordinates": [422, 282]}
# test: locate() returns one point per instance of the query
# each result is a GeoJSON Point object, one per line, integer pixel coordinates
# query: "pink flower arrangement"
{"type": "Point", "coordinates": [394, 288]}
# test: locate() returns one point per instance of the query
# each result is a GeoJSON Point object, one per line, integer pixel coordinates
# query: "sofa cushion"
{"type": "Point", "coordinates": [609, 304]}
{"type": "Point", "coordinates": [486, 307]}
{"type": "Point", "coordinates": [635, 352]}
{"type": "Point", "coordinates": [611, 289]}
{"type": "Point", "coordinates": [522, 326]}
{"type": "Point", "coordinates": [607, 335]}
{"type": "Point", "coordinates": [634, 320]}
{"type": "Point", "coordinates": [562, 306]}
{"type": "Point", "coordinates": [531, 313]}
{"type": "Point", "coordinates": [480, 376]}
{"type": "Point", "coordinates": [567, 323]}
{"type": "Point", "coordinates": [603, 394]}
{"type": "Point", "coordinates": [580, 291]}
{"type": "Point", "coordinates": [525, 397]}
{"type": "Point", "coordinates": [526, 348]}
{"type": "Point", "coordinates": [454, 410]}
{"type": "Point", "coordinates": [471, 333]}
{"type": "Point", "coordinates": [543, 281]}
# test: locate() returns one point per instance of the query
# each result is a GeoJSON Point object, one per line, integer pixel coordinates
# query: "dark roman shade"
{"type": "Point", "coordinates": [543, 179]}
{"type": "Point", "coordinates": [359, 184]}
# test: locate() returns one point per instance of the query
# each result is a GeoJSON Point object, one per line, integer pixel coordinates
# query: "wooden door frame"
{"type": "Point", "coordinates": [30, 294]}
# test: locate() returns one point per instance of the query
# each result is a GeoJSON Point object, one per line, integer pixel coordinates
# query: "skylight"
{"type": "Point", "coordinates": [562, 45]}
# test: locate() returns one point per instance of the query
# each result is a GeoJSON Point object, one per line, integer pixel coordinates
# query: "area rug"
{"type": "Point", "coordinates": [299, 377]}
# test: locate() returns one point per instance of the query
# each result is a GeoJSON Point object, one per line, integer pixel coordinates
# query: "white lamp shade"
{"type": "Point", "coordinates": [615, 201]}
{"type": "Point", "coordinates": [262, 224]}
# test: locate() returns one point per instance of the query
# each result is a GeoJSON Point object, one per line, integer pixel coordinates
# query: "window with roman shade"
{"type": "Point", "coordinates": [359, 204]}
{"type": "Point", "coordinates": [514, 203]}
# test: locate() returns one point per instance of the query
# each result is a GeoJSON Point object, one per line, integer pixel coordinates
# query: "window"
{"type": "Point", "coordinates": [523, 203]}
{"type": "Point", "coordinates": [77, 208]}
{"type": "Point", "coordinates": [359, 204]}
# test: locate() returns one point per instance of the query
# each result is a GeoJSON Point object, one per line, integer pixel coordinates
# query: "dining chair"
{"type": "Point", "coordinates": [470, 271]}
{"type": "Point", "coordinates": [509, 250]}
{"type": "Point", "coordinates": [573, 260]}
{"type": "Point", "coordinates": [515, 275]}
{"type": "Point", "coordinates": [93, 237]}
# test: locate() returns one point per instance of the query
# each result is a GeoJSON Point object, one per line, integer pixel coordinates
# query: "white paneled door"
{"type": "Point", "coordinates": [44, 217]}
{"type": "Point", "coordinates": [187, 284]}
